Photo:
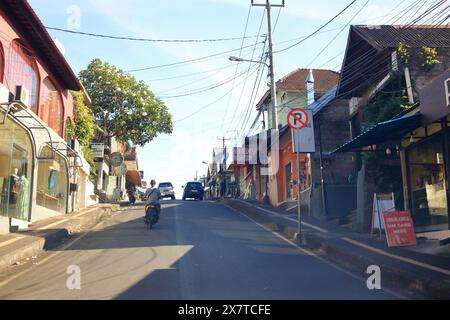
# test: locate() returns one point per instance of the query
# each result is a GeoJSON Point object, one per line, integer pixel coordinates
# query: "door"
{"type": "Point", "coordinates": [288, 181]}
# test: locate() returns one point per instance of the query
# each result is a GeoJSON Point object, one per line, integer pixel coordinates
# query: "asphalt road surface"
{"type": "Point", "coordinates": [198, 250]}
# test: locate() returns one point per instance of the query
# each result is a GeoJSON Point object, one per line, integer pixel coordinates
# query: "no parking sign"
{"type": "Point", "coordinates": [301, 122]}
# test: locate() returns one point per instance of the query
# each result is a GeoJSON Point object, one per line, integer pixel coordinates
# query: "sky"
{"type": "Point", "coordinates": [200, 118]}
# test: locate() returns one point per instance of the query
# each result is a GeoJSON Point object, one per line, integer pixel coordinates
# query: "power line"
{"type": "Point", "coordinates": [209, 104]}
{"type": "Point", "coordinates": [191, 60]}
{"type": "Point", "coordinates": [202, 90]}
{"type": "Point", "coordinates": [89, 34]}
{"type": "Point", "coordinates": [337, 35]}
{"type": "Point", "coordinates": [237, 65]}
{"type": "Point", "coordinates": [317, 30]}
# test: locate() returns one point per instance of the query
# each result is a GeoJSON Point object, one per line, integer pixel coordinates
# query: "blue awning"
{"type": "Point", "coordinates": [383, 132]}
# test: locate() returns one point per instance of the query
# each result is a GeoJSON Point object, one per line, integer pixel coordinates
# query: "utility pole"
{"type": "Point", "coordinates": [273, 90]}
{"type": "Point", "coordinates": [224, 151]}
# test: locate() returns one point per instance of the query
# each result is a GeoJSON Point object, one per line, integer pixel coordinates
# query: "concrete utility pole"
{"type": "Point", "coordinates": [273, 90]}
{"type": "Point", "coordinates": [224, 151]}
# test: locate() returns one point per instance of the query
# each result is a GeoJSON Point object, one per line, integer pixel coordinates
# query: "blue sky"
{"type": "Point", "coordinates": [177, 157]}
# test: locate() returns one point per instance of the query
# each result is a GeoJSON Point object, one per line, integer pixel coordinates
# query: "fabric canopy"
{"type": "Point", "coordinates": [134, 177]}
{"type": "Point", "coordinates": [383, 132]}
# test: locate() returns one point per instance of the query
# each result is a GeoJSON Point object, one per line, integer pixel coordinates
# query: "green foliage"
{"type": "Point", "coordinates": [403, 52]}
{"type": "Point", "coordinates": [82, 128]}
{"type": "Point", "coordinates": [124, 107]}
{"type": "Point", "coordinates": [384, 108]}
{"type": "Point", "coordinates": [429, 56]}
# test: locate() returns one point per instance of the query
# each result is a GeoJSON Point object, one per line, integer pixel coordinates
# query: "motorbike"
{"type": "Point", "coordinates": [151, 215]}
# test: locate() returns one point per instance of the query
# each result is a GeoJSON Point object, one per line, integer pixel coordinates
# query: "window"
{"type": "Point", "coordinates": [51, 108]}
{"type": "Point", "coordinates": [22, 71]}
{"type": "Point", "coordinates": [52, 182]}
{"type": "Point", "coordinates": [16, 162]}
{"type": "Point", "coordinates": [165, 185]}
{"type": "Point", "coordinates": [427, 185]}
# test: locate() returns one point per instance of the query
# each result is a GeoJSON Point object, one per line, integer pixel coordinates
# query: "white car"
{"type": "Point", "coordinates": [167, 190]}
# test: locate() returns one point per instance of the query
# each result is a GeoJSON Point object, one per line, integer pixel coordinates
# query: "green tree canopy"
{"type": "Point", "coordinates": [123, 107]}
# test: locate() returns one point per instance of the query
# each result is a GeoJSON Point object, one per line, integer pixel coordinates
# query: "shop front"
{"type": "Point", "coordinates": [34, 171]}
{"type": "Point", "coordinates": [16, 170]}
{"type": "Point", "coordinates": [426, 180]}
{"type": "Point", "coordinates": [427, 159]}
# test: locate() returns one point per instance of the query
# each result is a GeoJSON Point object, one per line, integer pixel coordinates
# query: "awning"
{"type": "Point", "coordinates": [383, 132]}
{"type": "Point", "coordinates": [134, 177]}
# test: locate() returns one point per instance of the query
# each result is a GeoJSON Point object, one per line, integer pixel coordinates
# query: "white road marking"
{"type": "Point", "coordinates": [309, 253]}
{"type": "Point", "coordinates": [411, 261]}
{"type": "Point", "coordinates": [360, 244]}
{"type": "Point", "coordinates": [10, 241]}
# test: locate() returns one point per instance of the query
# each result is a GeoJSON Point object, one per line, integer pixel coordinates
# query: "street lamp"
{"type": "Point", "coordinates": [239, 59]}
{"type": "Point", "coordinates": [273, 90]}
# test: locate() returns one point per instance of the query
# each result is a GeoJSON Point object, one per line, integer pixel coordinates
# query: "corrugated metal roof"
{"type": "Point", "coordinates": [389, 36]}
{"type": "Point", "coordinates": [323, 101]}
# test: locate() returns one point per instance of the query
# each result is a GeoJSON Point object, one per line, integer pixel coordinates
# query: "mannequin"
{"type": "Point", "coordinates": [23, 197]}
{"type": "Point", "coordinates": [14, 186]}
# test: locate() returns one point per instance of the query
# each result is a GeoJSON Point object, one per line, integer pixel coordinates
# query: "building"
{"type": "Point", "coordinates": [385, 70]}
{"type": "Point", "coordinates": [293, 92]}
{"type": "Point", "coordinates": [36, 162]}
{"type": "Point", "coordinates": [298, 89]}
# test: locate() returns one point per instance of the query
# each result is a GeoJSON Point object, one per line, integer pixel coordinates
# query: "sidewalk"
{"type": "Point", "coordinates": [420, 273]}
{"type": "Point", "coordinates": [20, 246]}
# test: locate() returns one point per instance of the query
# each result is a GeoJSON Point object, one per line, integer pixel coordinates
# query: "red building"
{"type": "Point", "coordinates": [34, 160]}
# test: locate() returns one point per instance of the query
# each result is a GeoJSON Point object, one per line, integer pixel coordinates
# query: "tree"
{"type": "Point", "coordinates": [82, 128]}
{"type": "Point", "coordinates": [123, 107]}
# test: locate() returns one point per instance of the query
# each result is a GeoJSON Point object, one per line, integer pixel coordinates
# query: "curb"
{"type": "Point", "coordinates": [397, 277]}
{"type": "Point", "coordinates": [52, 238]}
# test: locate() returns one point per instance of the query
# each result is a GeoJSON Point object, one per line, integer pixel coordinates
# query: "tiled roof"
{"type": "Point", "coordinates": [389, 36]}
{"type": "Point", "coordinates": [324, 80]}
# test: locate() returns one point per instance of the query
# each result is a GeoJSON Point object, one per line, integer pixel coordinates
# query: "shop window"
{"type": "Point", "coordinates": [52, 183]}
{"type": "Point", "coordinates": [427, 184]}
{"type": "Point", "coordinates": [16, 158]}
{"type": "Point", "coordinates": [22, 71]}
{"type": "Point", "coordinates": [51, 108]}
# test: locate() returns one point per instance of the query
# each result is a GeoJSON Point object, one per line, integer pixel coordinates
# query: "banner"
{"type": "Point", "coordinates": [399, 229]}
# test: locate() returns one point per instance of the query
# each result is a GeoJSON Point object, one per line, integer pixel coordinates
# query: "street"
{"type": "Point", "coordinates": [198, 250]}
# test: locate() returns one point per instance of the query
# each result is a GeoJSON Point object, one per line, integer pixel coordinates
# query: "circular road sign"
{"type": "Point", "coordinates": [297, 119]}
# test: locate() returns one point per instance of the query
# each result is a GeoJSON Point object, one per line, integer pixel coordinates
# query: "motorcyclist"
{"type": "Point", "coordinates": [153, 195]}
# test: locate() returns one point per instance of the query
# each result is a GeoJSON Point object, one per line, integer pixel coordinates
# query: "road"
{"type": "Point", "coordinates": [199, 250]}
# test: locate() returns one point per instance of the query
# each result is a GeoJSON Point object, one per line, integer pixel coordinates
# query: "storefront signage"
{"type": "Point", "coordinates": [381, 203]}
{"type": "Point", "coordinates": [399, 229]}
{"type": "Point", "coordinates": [435, 99]}
{"type": "Point", "coordinates": [98, 150]}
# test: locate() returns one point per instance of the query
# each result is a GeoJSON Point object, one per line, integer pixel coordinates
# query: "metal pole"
{"type": "Point", "coordinates": [273, 90]}
{"type": "Point", "coordinates": [322, 179]}
{"type": "Point", "coordinates": [299, 201]}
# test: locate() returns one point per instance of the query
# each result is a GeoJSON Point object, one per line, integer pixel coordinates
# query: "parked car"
{"type": "Point", "coordinates": [193, 190]}
{"type": "Point", "coordinates": [167, 190]}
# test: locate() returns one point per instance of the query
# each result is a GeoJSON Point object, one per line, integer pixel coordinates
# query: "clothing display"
{"type": "Point", "coordinates": [23, 200]}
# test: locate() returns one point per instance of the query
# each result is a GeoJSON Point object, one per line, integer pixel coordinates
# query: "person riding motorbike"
{"type": "Point", "coordinates": [153, 195]}
{"type": "Point", "coordinates": [131, 192]}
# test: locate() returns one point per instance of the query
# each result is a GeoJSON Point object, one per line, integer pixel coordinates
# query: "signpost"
{"type": "Point", "coordinates": [399, 229]}
{"type": "Point", "coordinates": [300, 121]}
{"type": "Point", "coordinates": [98, 150]}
